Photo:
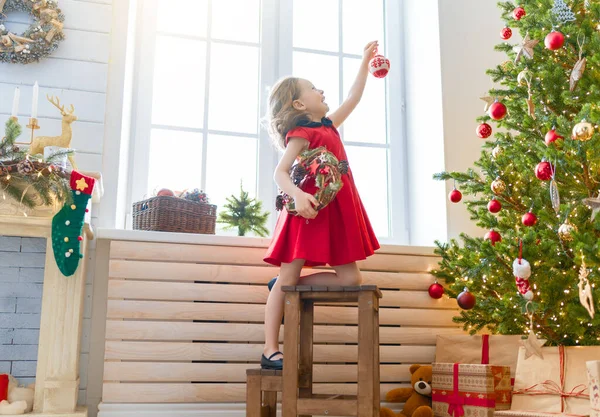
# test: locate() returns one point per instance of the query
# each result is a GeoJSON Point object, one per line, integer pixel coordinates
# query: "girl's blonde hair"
{"type": "Point", "coordinates": [281, 115]}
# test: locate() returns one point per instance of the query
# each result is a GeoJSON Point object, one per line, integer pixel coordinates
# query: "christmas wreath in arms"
{"type": "Point", "coordinates": [39, 40]}
{"type": "Point", "coordinates": [327, 172]}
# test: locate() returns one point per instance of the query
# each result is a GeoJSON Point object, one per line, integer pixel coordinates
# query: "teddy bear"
{"type": "Point", "coordinates": [417, 398]}
{"type": "Point", "coordinates": [15, 399]}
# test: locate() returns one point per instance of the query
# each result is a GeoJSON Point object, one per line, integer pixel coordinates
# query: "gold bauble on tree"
{"type": "Point", "coordinates": [498, 186]}
{"type": "Point", "coordinates": [583, 131]}
{"type": "Point", "coordinates": [497, 151]}
{"type": "Point", "coordinates": [565, 232]}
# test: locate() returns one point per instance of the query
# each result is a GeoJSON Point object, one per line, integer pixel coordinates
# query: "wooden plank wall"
{"type": "Point", "coordinates": [185, 321]}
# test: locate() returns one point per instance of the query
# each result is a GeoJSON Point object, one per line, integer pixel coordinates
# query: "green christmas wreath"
{"type": "Point", "coordinates": [40, 39]}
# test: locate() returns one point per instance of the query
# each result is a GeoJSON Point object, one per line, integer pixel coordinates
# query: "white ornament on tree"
{"type": "Point", "coordinates": [522, 273]}
{"type": "Point", "coordinates": [532, 345]}
{"type": "Point", "coordinates": [562, 12]}
{"type": "Point", "coordinates": [585, 290]}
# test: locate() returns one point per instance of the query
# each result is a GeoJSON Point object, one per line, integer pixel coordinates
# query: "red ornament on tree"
{"type": "Point", "coordinates": [543, 171]}
{"type": "Point", "coordinates": [379, 66]}
{"type": "Point", "coordinates": [494, 206]}
{"type": "Point", "coordinates": [529, 219]}
{"type": "Point", "coordinates": [519, 13]}
{"type": "Point", "coordinates": [455, 196]}
{"type": "Point", "coordinates": [506, 33]}
{"type": "Point", "coordinates": [436, 291]}
{"type": "Point", "coordinates": [493, 237]}
{"type": "Point", "coordinates": [484, 131]}
{"type": "Point", "coordinates": [552, 136]}
{"type": "Point", "coordinates": [466, 300]}
{"type": "Point", "coordinates": [554, 40]}
{"type": "Point", "coordinates": [497, 111]}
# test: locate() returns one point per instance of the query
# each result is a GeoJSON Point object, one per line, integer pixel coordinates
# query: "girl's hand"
{"type": "Point", "coordinates": [305, 204]}
{"type": "Point", "coordinates": [370, 50]}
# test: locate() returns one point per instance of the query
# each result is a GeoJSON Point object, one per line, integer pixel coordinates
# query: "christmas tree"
{"type": "Point", "coordinates": [534, 189]}
{"type": "Point", "coordinates": [246, 214]}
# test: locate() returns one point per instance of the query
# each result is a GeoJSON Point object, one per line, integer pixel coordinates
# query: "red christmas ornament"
{"type": "Point", "coordinates": [543, 171]}
{"type": "Point", "coordinates": [494, 206]}
{"type": "Point", "coordinates": [497, 111]}
{"type": "Point", "coordinates": [493, 237]}
{"type": "Point", "coordinates": [455, 196]}
{"type": "Point", "coordinates": [529, 219]}
{"type": "Point", "coordinates": [466, 300]}
{"type": "Point", "coordinates": [436, 291]}
{"type": "Point", "coordinates": [552, 136]}
{"type": "Point", "coordinates": [554, 40]}
{"type": "Point", "coordinates": [80, 238]}
{"type": "Point", "coordinates": [379, 66]}
{"type": "Point", "coordinates": [506, 33]}
{"type": "Point", "coordinates": [519, 13]}
{"type": "Point", "coordinates": [484, 130]}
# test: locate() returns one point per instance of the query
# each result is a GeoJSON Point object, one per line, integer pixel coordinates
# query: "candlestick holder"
{"type": "Point", "coordinates": [33, 125]}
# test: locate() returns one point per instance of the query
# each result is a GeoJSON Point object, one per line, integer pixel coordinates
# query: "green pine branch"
{"type": "Point", "coordinates": [244, 214]}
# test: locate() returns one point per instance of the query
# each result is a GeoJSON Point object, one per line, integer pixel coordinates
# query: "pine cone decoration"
{"type": "Point", "coordinates": [298, 173]}
{"type": "Point", "coordinates": [343, 167]}
{"type": "Point", "coordinates": [25, 167]}
{"type": "Point", "coordinates": [279, 203]}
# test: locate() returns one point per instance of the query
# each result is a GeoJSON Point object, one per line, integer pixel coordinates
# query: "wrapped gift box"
{"type": "Point", "coordinates": [471, 390]}
{"type": "Point", "coordinates": [593, 368]}
{"type": "Point", "coordinates": [479, 349]}
{"type": "Point", "coordinates": [556, 384]}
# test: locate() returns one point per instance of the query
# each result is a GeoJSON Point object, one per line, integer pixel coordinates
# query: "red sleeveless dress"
{"type": "Point", "coordinates": [341, 233]}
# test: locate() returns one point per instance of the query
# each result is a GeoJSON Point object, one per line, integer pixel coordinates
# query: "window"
{"type": "Point", "coordinates": [203, 76]}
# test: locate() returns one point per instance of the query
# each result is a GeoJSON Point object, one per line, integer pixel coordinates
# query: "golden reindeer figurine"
{"type": "Point", "coordinates": [64, 140]}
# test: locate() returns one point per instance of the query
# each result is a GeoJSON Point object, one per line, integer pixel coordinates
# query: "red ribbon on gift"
{"type": "Point", "coordinates": [552, 388]}
{"type": "Point", "coordinates": [485, 349]}
{"type": "Point", "coordinates": [456, 402]}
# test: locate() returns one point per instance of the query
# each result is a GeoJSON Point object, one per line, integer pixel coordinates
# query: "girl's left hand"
{"type": "Point", "coordinates": [370, 50]}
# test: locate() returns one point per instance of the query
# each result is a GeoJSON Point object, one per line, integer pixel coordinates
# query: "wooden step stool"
{"type": "Point", "coordinates": [297, 396]}
{"type": "Point", "coordinates": [262, 387]}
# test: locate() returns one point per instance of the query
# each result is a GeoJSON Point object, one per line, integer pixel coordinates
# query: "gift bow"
{"type": "Point", "coordinates": [455, 401]}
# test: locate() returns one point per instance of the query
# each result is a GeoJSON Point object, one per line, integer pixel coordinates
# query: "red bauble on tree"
{"type": "Point", "coordinates": [497, 111]}
{"type": "Point", "coordinates": [554, 40]}
{"type": "Point", "coordinates": [466, 300]}
{"type": "Point", "coordinates": [543, 171]}
{"type": "Point", "coordinates": [552, 136]}
{"type": "Point", "coordinates": [493, 237]}
{"type": "Point", "coordinates": [436, 291]}
{"type": "Point", "coordinates": [455, 196]}
{"type": "Point", "coordinates": [529, 219]}
{"type": "Point", "coordinates": [484, 130]}
{"type": "Point", "coordinates": [506, 33]}
{"type": "Point", "coordinates": [494, 206]}
{"type": "Point", "coordinates": [519, 13]}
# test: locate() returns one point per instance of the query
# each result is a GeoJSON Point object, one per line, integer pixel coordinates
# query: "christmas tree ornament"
{"type": "Point", "coordinates": [529, 219]}
{"type": "Point", "coordinates": [552, 136]}
{"type": "Point", "coordinates": [493, 236]}
{"type": "Point", "coordinates": [585, 290]}
{"type": "Point", "coordinates": [494, 206]}
{"type": "Point", "coordinates": [543, 171]}
{"type": "Point", "coordinates": [583, 131]}
{"type": "Point", "coordinates": [525, 77]}
{"type": "Point", "coordinates": [518, 13]}
{"type": "Point", "coordinates": [565, 232]}
{"type": "Point", "coordinates": [379, 65]}
{"type": "Point", "coordinates": [484, 130]}
{"type": "Point", "coordinates": [532, 345]}
{"type": "Point", "coordinates": [488, 102]}
{"type": "Point", "coordinates": [436, 291]}
{"type": "Point", "coordinates": [594, 204]}
{"type": "Point", "coordinates": [554, 40]}
{"type": "Point", "coordinates": [525, 48]}
{"type": "Point", "coordinates": [578, 68]}
{"type": "Point", "coordinates": [455, 196]}
{"type": "Point", "coordinates": [497, 151]}
{"type": "Point", "coordinates": [562, 13]}
{"type": "Point", "coordinates": [466, 300]}
{"type": "Point", "coordinates": [522, 273]}
{"type": "Point", "coordinates": [505, 33]}
{"type": "Point", "coordinates": [498, 186]}
{"type": "Point", "coordinates": [67, 225]}
{"type": "Point", "coordinates": [554, 194]}
{"type": "Point", "coordinates": [497, 110]}
{"type": "Point", "coordinates": [507, 65]}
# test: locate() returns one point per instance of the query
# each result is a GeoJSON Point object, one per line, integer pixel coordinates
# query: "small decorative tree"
{"type": "Point", "coordinates": [244, 213]}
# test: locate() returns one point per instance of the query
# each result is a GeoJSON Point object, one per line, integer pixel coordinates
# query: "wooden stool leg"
{"type": "Point", "coordinates": [290, 350]}
{"type": "Point", "coordinates": [271, 403]}
{"type": "Point", "coordinates": [376, 376]}
{"type": "Point", "coordinates": [306, 350]}
{"type": "Point", "coordinates": [253, 396]}
{"type": "Point", "coordinates": [366, 354]}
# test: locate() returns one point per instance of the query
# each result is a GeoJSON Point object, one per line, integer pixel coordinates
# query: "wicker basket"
{"type": "Point", "coordinates": [173, 214]}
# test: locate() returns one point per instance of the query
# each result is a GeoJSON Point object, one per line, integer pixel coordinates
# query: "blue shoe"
{"type": "Point", "coordinates": [268, 363]}
{"type": "Point", "coordinates": [271, 283]}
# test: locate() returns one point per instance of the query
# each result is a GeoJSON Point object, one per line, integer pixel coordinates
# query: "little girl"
{"type": "Point", "coordinates": [340, 234]}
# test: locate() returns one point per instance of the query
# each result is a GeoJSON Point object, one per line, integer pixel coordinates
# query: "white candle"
{"type": "Point", "coordinates": [15, 107]}
{"type": "Point", "coordinates": [34, 103]}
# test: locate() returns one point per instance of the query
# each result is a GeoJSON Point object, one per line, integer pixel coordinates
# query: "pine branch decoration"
{"type": "Point", "coordinates": [244, 214]}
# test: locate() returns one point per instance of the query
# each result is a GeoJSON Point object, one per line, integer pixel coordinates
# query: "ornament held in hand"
{"type": "Point", "coordinates": [543, 171]}
{"type": "Point", "coordinates": [554, 40]}
{"type": "Point", "coordinates": [436, 291]}
{"type": "Point", "coordinates": [466, 300]}
{"type": "Point", "coordinates": [379, 66]}
{"type": "Point", "coordinates": [583, 131]}
{"type": "Point", "coordinates": [494, 206]}
{"type": "Point", "coordinates": [484, 131]}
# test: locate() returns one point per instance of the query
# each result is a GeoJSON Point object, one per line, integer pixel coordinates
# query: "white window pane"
{"type": "Point", "coordinates": [369, 168]}
{"type": "Point", "coordinates": [233, 89]}
{"type": "Point", "coordinates": [236, 20]}
{"type": "Point", "coordinates": [367, 123]}
{"type": "Point", "coordinates": [183, 17]}
{"type": "Point", "coordinates": [175, 159]}
{"type": "Point", "coordinates": [178, 95]}
{"type": "Point", "coordinates": [316, 24]}
{"type": "Point", "coordinates": [362, 22]}
{"type": "Point", "coordinates": [323, 71]}
{"type": "Point", "coordinates": [230, 160]}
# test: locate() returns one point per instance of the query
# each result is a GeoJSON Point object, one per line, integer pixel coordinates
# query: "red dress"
{"type": "Point", "coordinates": [341, 233]}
